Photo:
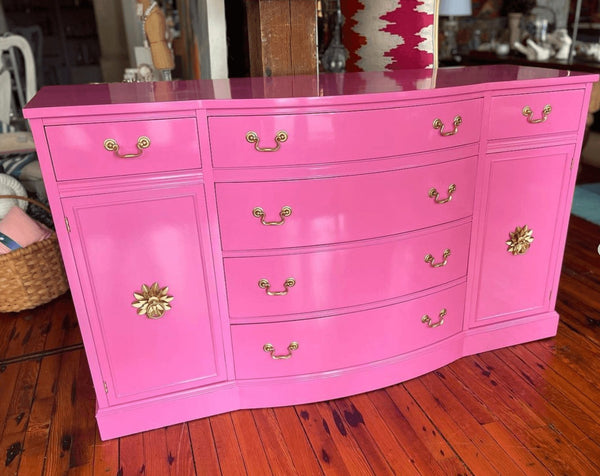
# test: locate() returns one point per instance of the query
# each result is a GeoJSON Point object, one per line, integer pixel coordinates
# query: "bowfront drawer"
{"type": "Point", "coordinates": [298, 139]}
{"type": "Point", "coordinates": [329, 279]}
{"type": "Point", "coordinates": [264, 215]}
{"type": "Point", "coordinates": [336, 342]}
{"type": "Point", "coordinates": [123, 148]}
{"type": "Point", "coordinates": [523, 115]}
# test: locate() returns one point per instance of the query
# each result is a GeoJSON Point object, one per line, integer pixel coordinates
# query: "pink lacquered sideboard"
{"type": "Point", "coordinates": [273, 241]}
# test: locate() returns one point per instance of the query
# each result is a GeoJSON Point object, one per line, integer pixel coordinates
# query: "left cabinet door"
{"type": "Point", "coordinates": [123, 243]}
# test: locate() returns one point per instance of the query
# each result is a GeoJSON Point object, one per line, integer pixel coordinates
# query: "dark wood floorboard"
{"type": "Point", "coordinates": [528, 409]}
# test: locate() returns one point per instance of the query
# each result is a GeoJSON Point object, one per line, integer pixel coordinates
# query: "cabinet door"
{"type": "Point", "coordinates": [528, 188]}
{"type": "Point", "coordinates": [123, 241]}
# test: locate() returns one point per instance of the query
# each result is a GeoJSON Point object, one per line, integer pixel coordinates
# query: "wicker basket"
{"type": "Point", "coordinates": [33, 275]}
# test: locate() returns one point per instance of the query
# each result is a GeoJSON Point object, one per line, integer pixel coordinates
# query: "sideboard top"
{"type": "Point", "coordinates": [326, 88]}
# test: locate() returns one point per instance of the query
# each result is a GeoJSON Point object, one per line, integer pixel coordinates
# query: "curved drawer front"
{"type": "Point", "coordinates": [342, 136]}
{"type": "Point", "coordinates": [342, 209]}
{"type": "Point", "coordinates": [337, 342]}
{"type": "Point", "coordinates": [78, 151]}
{"type": "Point", "coordinates": [507, 118]}
{"type": "Point", "coordinates": [345, 277]}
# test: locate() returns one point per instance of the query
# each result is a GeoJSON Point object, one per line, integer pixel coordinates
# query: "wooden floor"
{"type": "Point", "coordinates": [528, 409]}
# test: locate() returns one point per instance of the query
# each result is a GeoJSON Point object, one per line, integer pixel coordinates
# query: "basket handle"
{"type": "Point", "coordinates": [30, 200]}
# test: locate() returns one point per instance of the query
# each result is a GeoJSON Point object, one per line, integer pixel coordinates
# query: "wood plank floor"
{"type": "Point", "coordinates": [528, 409]}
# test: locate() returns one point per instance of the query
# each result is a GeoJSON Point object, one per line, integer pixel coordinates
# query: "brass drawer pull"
{"type": "Point", "coordinates": [152, 301]}
{"type": "Point", "coordinates": [271, 350]}
{"type": "Point", "coordinates": [142, 143]}
{"type": "Point", "coordinates": [433, 193]}
{"type": "Point", "coordinates": [280, 137]}
{"type": "Point", "coordinates": [527, 112]}
{"type": "Point", "coordinates": [430, 259]}
{"type": "Point", "coordinates": [427, 320]}
{"type": "Point", "coordinates": [264, 284]}
{"type": "Point", "coordinates": [438, 124]}
{"type": "Point", "coordinates": [260, 213]}
{"type": "Point", "coordinates": [520, 240]}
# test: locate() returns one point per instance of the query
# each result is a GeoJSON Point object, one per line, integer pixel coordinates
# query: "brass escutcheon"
{"type": "Point", "coordinates": [427, 320]}
{"type": "Point", "coordinates": [271, 350]}
{"type": "Point", "coordinates": [431, 260]}
{"type": "Point", "coordinates": [438, 124]}
{"type": "Point", "coordinates": [142, 143]}
{"type": "Point", "coordinates": [288, 283]}
{"type": "Point", "coordinates": [433, 193]}
{"type": "Point", "coordinates": [253, 138]}
{"type": "Point", "coordinates": [260, 213]}
{"type": "Point", "coordinates": [152, 301]}
{"type": "Point", "coordinates": [527, 112]}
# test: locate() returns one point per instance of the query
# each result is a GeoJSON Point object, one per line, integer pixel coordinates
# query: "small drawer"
{"type": "Point", "coordinates": [342, 209]}
{"type": "Point", "coordinates": [339, 137]}
{"type": "Point", "coordinates": [331, 343]}
{"type": "Point", "coordinates": [524, 115]}
{"type": "Point", "coordinates": [78, 151]}
{"type": "Point", "coordinates": [349, 276]}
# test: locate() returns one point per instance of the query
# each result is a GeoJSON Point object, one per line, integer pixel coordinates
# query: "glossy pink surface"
{"type": "Point", "coordinates": [345, 208]}
{"type": "Point", "coordinates": [357, 170]}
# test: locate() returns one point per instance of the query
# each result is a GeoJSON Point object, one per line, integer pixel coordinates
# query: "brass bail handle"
{"type": "Point", "coordinates": [438, 124]}
{"type": "Point", "coordinates": [264, 284]}
{"type": "Point", "coordinates": [260, 213]}
{"type": "Point", "coordinates": [433, 193]}
{"type": "Point", "coordinates": [427, 320]}
{"type": "Point", "coordinates": [528, 113]}
{"type": "Point", "coordinates": [290, 348]}
{"type": "Point", "coordinates": [431, 260]}
{"type": "Point", "coordinates": [112, 146]}
{"type": "Point", "coordinates": [253, 138]}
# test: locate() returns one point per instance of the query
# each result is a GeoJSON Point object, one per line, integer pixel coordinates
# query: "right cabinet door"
{"type": "Point", "coordinates": [522, 229]}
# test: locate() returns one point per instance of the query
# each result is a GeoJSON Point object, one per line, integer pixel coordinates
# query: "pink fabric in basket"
{"type": "Point", "coordinates": [21, 228]}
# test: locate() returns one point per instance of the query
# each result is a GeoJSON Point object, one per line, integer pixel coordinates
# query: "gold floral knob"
{"type": "Point", "coordinates": [520, 240]}
{"type": "Point", "coordinates": [152, 301]}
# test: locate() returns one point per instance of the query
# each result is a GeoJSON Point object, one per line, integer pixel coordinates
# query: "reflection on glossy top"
{"type": "Point", "coordinates": [304, 88]}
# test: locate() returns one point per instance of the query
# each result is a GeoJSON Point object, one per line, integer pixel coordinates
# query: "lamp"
{"type": "Point", "coordinates": [452, 9]}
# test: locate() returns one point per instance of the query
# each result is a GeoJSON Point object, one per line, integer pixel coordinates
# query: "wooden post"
{"type": "Point", "coordinates": [282, 37]}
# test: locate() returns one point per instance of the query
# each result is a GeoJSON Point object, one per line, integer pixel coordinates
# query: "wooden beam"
{"type": "Point", "coordinates": [282, 37]}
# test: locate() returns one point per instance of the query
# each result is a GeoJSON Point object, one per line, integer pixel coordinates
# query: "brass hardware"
{"type": "Point", "coordinates": [433, 193]}
{"type": "Point", "coordinates": [520, 240]}
{"type": "Point", "coordinates": [105, 387]}
{"type": "Point", "coordinates": [152, 301]}
{"type": "Point", "coordinates": [142, 143]}
{"type": "Point", "coordinates": [438, 124]}
{"type": "Point", "coordinates": [260, 213]}
{"type": "Point", "coordinates": [67, 225]}
{"type": "Point", "coordinates": [527, 112]}
{"type": "Point", "coordinates": [427, 320]}
{"type": "Point", "coordinates": [430, 259]}
{"type": "Point", "coordinates": [264, 284]}
{"type": "Point", "coordinates": [271, 350]}
{"type": "Point", "coordinates": [280, 137]}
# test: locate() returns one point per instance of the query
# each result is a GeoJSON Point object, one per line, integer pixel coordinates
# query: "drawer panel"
{"type": "Point", "coordinates": [507, 119]}
{"type": "Point", "coordinates": [337, 342]}
{"type": "Point", "coordinates": [342, 136]}
{"type": "Point", "coordinates": [345, 277]}
{"type": "Point", "coordinates": [342, 209]}
{"type": "Point", "coordinates": [78, 150]}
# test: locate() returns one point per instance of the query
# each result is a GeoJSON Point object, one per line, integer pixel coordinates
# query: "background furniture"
{"type": "Point", "coordinates": [229, 245]}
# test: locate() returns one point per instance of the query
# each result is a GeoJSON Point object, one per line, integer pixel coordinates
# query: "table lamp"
{"type": "Point", "coordinates": [452, 9]}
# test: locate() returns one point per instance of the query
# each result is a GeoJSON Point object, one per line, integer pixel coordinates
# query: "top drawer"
{"type": "Point", "coordinates": [341, 136]}
{"type": "Point", "coordinates": [510, 118]}
{"type": "Point", "coordinates": [78, 151]}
